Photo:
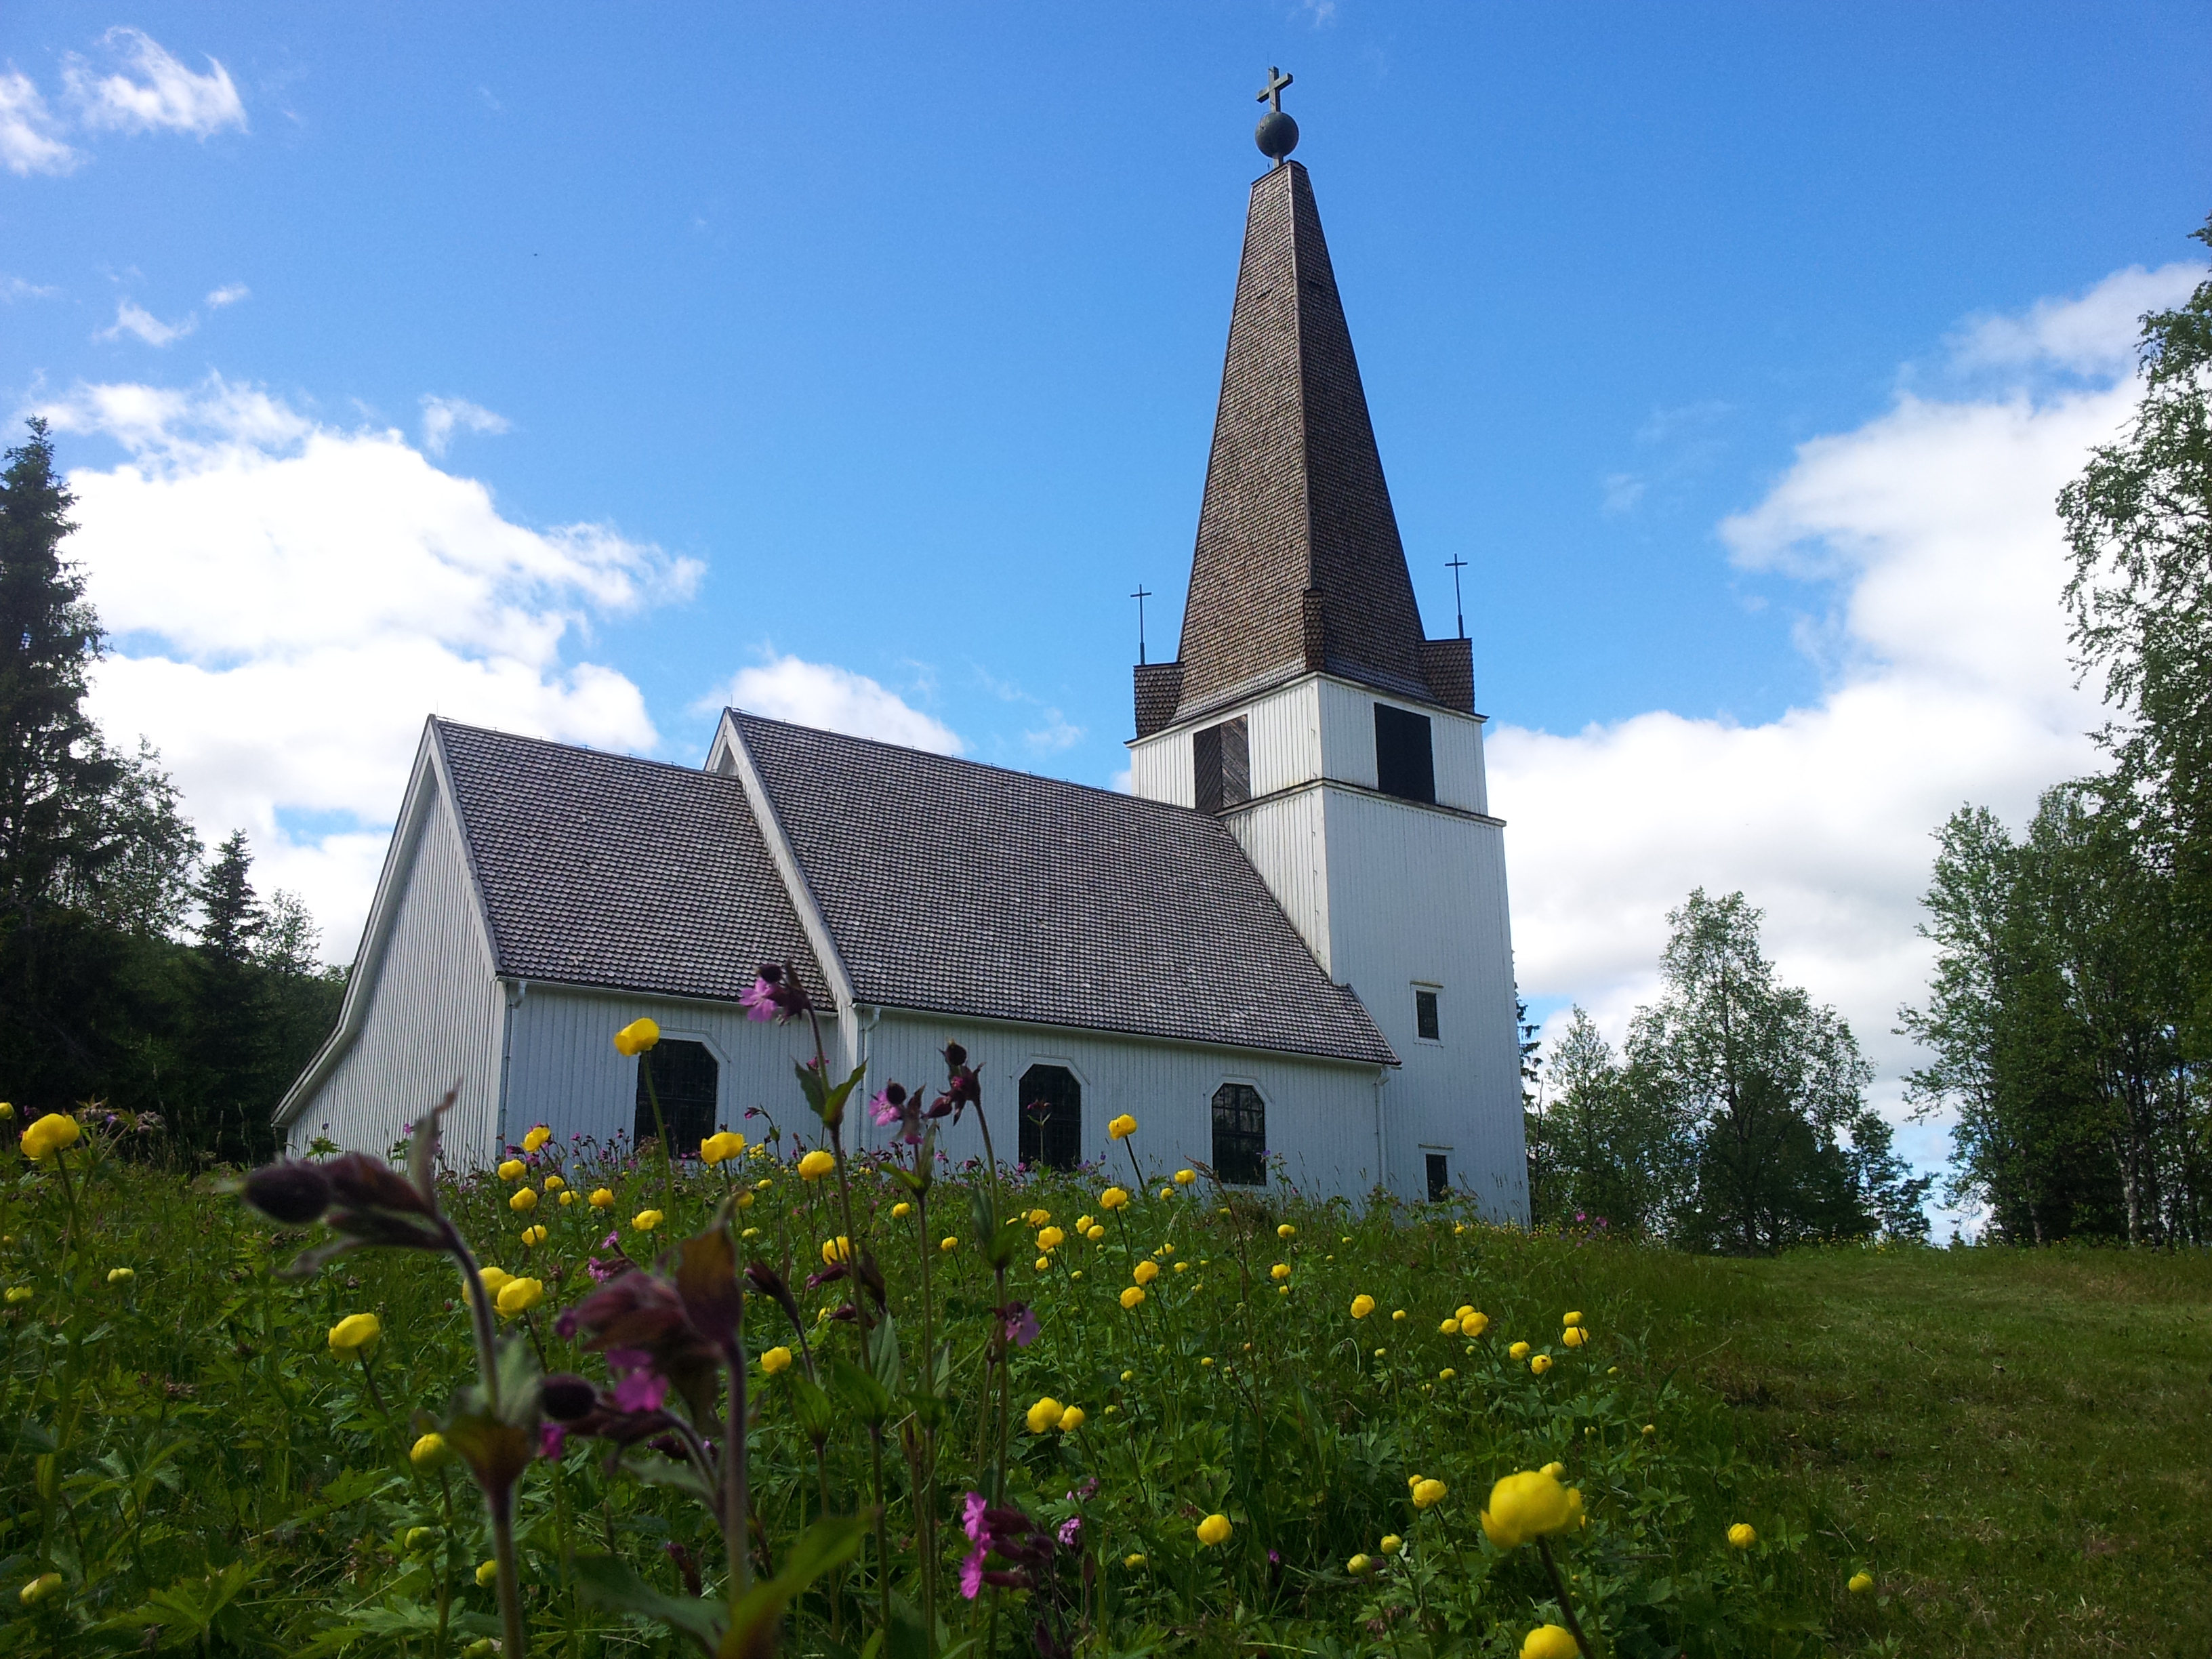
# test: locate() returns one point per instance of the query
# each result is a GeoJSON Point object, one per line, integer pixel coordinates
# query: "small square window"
{"type": "Point", "coordinates": [1439, 1177]}
{"type": "Point", "coordinates": [1426, 1025]}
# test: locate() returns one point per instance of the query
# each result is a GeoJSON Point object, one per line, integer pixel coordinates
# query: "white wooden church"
{"type": "Point", "coordinates": [1287, 952]}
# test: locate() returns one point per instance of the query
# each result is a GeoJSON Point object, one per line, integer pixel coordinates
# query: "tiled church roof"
{"type": "Point", "coordinates": [1298, 566]}
{"type": "Point", "coordinates": [967, 889]}
{"type": "Point", "coordinates": [601, 869]}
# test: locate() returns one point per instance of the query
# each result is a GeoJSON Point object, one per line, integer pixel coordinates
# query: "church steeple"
{"type": "Point", "coordinates": [1298, 566]}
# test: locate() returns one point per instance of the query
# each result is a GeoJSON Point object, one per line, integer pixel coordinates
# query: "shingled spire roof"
{"type": "Point", "coordinates": [1299, 565]}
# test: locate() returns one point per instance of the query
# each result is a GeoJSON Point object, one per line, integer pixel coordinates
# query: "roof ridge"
{"type": "Point", "coordinates": [444, 725]}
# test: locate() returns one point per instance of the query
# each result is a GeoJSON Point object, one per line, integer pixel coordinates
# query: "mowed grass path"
{"type": "Point", "coordinates": [2019, 1443]}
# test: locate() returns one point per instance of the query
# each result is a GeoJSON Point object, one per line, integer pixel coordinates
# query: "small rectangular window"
{"type": "Point", "coordinates": [1439, 1178]}
{"type": "Point", "coordinates": [1404, 764]}
{"type": "Point", "coordinates": [1221, 765]}
{"type": "Point", "coordinates": [1426, 1025]}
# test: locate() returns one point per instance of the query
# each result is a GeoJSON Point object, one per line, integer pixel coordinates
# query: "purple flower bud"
{"type": "Point", "coordinates": [567, 1396]}
{"type": "Point", "coordinates": [292, 1194]}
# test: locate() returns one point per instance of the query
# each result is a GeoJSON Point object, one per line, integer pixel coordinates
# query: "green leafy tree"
{"type": "Point", "coordinates": [1606, 1156]}
{"type": "Point", "coordinates": [1766, 1089]}
{"type": "Point", "coordinates": [2139, 522]}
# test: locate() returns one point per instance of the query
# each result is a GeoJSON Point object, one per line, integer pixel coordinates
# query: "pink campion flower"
{"type": "Point", "coordinates": [971, 1573]}
{"type": "Point", "coordinates": [971, 1518]}
{"type": "Point", "coordinates": [1068, 1530]}
{"type": "Point", "coordinates": [759, 1001]}
{"type": "Point", "coordinates": [886, 1106]}
{"type": "Point", "coordinates": [1021, 1323]}
{"type": "Point", "coordinates": [552, 1440]}
{"type": "Point", "coordinates": [640, 1391]}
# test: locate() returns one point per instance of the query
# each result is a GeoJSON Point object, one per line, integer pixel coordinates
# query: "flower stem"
{"type": "Point", "coordinates": [1566, 1608]}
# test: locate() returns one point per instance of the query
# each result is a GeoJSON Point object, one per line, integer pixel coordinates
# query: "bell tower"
{"type": "Point", "coordinates": [1307, 708]}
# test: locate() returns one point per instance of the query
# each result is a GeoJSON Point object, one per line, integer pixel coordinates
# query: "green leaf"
{"type": "Point", "coordinates": [759, 1615]}
{"type": "Point", "coordinates": [812, 1407]}
{"type": "Point", "coordinates": [859, 1390]}
{"type": "Point", "coordinates": [909, 1635]}
{"type": "Point", "coordinates": [884, 1353]}
{"type": "Point", "coordinates": [1009, 1246]}
{"type": "Point", "coordinates": [608, 1581]}
{"type": "Point", "coordinates": [678, 1473]}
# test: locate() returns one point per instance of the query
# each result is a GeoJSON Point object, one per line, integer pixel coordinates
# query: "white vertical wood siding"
{"type": "Point", "coordinates": [1285, 837]}
{"type": "Point", "coordinates": [1417, 897]}
{"type": "Point", "coordinates": [565, 1072]}
{"type": "Point", "coordinates": [1347, 737]}
{"type": "Point", "coordinates": [1160, 769]}
{"type": "Point", "coordinates": [1320, 1115]}
{"type": "Point", "coordinates": [434, 1012]}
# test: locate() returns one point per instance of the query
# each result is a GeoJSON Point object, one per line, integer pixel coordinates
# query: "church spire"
{"type": "Point", "coordinates": [1298, 566]}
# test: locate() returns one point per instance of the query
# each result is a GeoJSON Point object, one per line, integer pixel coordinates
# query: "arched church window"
{"type": "Point", "coordinates": [689, 1080]}
{"type": "Point", "coordinates": [1051, 1118]}
{"type": "Point", "coordinates": [1240, 1135]}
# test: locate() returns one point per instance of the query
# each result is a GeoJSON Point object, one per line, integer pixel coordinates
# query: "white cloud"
{"type": "Point", "coordinates": [2093, 333]}
{"type": "Point", "coordinates": [13, 289]}
{"type": "Point", "coordinates": [229, 294]}
{"type": "Point", "coordinates": [30, 137]}
{"type": "Point", "coordinates": [1949, 682]}
{"type": "Point", "coordinates": [164, 95]}
{"type": "Point", "coordinates": [1055, 734]}
{"type": "Point", "coordinates": [442, 417]}
{"type": "Point", "coordinates": [289, 600]}
{"type": "Point", "coordinates": [823, 694]}
{"type": "Point", "coordinates": [132, 318]}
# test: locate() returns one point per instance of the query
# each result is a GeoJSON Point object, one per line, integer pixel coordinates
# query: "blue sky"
{"type": "Point", "coordinates": [885, 340]}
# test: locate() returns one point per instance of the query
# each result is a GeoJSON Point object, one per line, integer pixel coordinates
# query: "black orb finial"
{"type": "Point", "coordinates": [1277, 135]}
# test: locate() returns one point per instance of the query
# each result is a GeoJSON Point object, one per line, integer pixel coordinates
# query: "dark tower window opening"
{"type": "Point", "coordinates": [1426, 1026]}
{"type": "Point", "coordinates": [1439, 1178]}
{"type": "Point", "coordinates": [688, 1079]}
{"type": "Point", "coordinates": [1405, 765]}
{"type": "Point", "coordinates": [1051, 1118]}
{"type": "Point", "coordinates": [1240, 1135]}
{"type": "Point", "coordinates": [1221, 765]}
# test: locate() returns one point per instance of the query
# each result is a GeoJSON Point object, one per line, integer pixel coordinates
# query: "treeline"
{"type": "Point", "coordinates": [2071, 1018]}
{"type": "Point", "coordinates": [135, 971]}
{"type": "Point", "coordinates": [1735, 1122]}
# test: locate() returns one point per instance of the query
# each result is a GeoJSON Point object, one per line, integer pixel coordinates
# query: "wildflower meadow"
{"type": "Point", "coordinates": [600, 1401]}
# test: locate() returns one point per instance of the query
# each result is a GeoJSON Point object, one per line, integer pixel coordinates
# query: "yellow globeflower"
{"type": "Point", "coordinates": [1450, 1328]}
{"type": "Point", "coordinates": [1113, 1199]}
{"type": "Point", "coordinates": [815, 1165]}
{"type": "Point", "coordinates": [1463, 1310]}
{"type": "Point", "coordinates": [1397, 1316]}
{"type": "Point", "coordinates": [1167, 1192]}
{"type": "Point", "coordinates": [765, 1182]}
{"type": "Point", "coordinates": [1038, 1218]}
{"type": "Point", "coordinates": [836, 1251]}
{"type": "Point", "coordinates": [1427, 1494]}
{"type": "Point", "coordinates": [637, 1037]}
{"type": "Point", "coordinates": [1133, 1561]}
{"type": "Point", "coordinates": [1360, 1565]}
{"type": "Point", "coordinates": [1530, 1504]}
{"type": "Point", "coordinates": [121, 1275]}
{"type": "Point", "coordinates": [744, 1200]}
{"type": "Point", "coordinates": [533, 1236]}
{"type": "Point", "coordinates": [902, 1209]}
{"type": "Point", "coordinates": [7, 1112]}
{"type": "Point", "coordinates": [1446, 1375]}
{"type": "Point", "coordinates": [1362, 1306]}
{"type": "Point", "coordinates": [1082, 1226]}
{"type": "Point", "coordinates": [19, 1293]}
{"type": "Point", "coordinates": [1540, 1362]}
{"type": "Point", "coordinates": [48, 1136]}
{"type": "Point", "coordinates": [1570, 1319]}
{"type": "Point", "coordinates": [1574, 1336]}
{"type": "Point", "coordinates": [1555, 1470]}
{"type": "Point", "coordinates": [646, 1220]}
{"type": "Point", "coordinates": [536, 1139]}
{"type": "Point", "coordinates": [1550, 1641]}
{"type": "Point", "coordinates": [554, 1183]}
{"type": "Point", "coordinates": [715, 1148]}
{"type": "Point", "coordinates": [1518, 1351]}
{"type": "Point", "coordinates": [1043, 1262]}
{"type": "Point", "coordinates": [39, 1588]}
{"type": "Point", "coordinates": [1045, 1414]}
{"type": "Point", "coordinates": [1472, 1323]}
{"type": "Point", "coordinates": [1184, 1177]}
{"type": "Point", "coordinates": [520, 1296]}
{"type": "Point", "coordinates": [775, 1360]}
{"type": "Point", "coordinates": [525, 1198]}
{"type": "Point", "coordinates": [1860, 1582]}
{"type": "Point", "coordinates": [1051, 1239]}
{"type": "Point", "coordinates": [1121, 1128]}
{"type": "Point", "coordinates": [1134, 1297]}
{"type": "Point", "coordinates": [1742, 1535]}
{"type": "Point", "coordinates": [1391, 1543]}
{"type": "Point", "coordinates": [487, 1574]}
{"type": "Point", "coordinates": [355, 1333]}
{"type": "Point", "coordinates": [1145, 1270]}
{"type": "Point", "coordinates": [513, 1170]}
{"type": "Point", "coordinates": [1094, 1231]}
{"type": "Point", "coordinates": [1214, 1529]}
{"type": "Point", "coordinates": [568, 1197]}
{"type": "Point", "coordinates": [1071, 1419]}
{"type": "Point", "coordinates": [602, 1199]}
{"type": "Point", "coordinates": [1182, 1267]}
{"type": "Point", "coordinates": [495, 1280]}
{"type": "Point", "coordinates": [1650, 1428]}
{"type": "Point", "coordinates": [948, 1243]}
{"type": "Point", "coordinates": [1281, 1271]}
{"type": "Point", "coordinates": [427, 1452]}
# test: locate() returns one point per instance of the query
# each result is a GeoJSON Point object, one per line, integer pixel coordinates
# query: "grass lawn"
{"type": "Point", "coordinates": [2016, 1441]}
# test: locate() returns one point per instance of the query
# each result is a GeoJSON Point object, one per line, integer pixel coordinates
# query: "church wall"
{"type": "Point", "coordinates": [1347, 738]}
{"type": "Point", "coordinates": [1284, 838]}
{"type": "Point", "coordinates": [1160, 769]}
{"type": "Point", "coordinates": [564, 1070]}
{"type": "Point", "coordinates": [432, 1014]}
{"type": "Point", "coordinates": [1417, 898]}
{"type": "Point", "coordinates": [1320, 1115]}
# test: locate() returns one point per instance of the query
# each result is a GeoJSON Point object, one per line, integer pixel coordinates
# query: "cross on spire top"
{"type": "Point", "coordinates": [1277, 135]}
{"type": "Point", "coordinates": [1272, 94]}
